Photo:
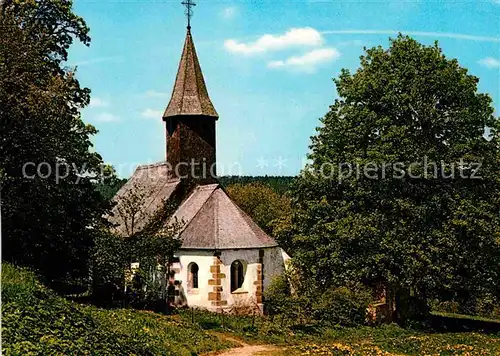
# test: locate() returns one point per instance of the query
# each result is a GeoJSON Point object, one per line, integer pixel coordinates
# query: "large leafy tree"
{"type": "Point", "coordinates": [419, 227]}
{"type": "Point", "coordinates": [50, 206]}
{"type": "Point", "coordinates": [266, 207]}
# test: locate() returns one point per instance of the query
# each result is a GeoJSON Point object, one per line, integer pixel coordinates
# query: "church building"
{"type": "Point", "coordinates": [226, 261]}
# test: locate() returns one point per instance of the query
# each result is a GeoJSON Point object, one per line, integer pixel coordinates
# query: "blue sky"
{"type": "Point", "coordinates": [268, 66]}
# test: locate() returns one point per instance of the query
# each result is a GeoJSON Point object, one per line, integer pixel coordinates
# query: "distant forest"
{"type": "Point", "coordinates": [280, 184]}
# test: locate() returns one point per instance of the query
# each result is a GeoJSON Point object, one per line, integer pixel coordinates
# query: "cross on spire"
{"type": "Point", "coordinates": [189, 11]}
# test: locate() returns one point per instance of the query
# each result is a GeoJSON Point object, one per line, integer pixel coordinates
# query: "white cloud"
{"type": "Point", "coordinates": [490, 62]}
{"type": "Point", "coordinates": [106, 117]}
{"type": "Point", "coordinates": [308, 61]}
{"type": "Point", "coordinates": [229, 12]}
{"type": "Point", "coordinates": [156, 94]}
{"type": "Point", "coordinates": [457, 36]}
{"type": "Point", "coordinates": [152, 114]}
{"type": "Point", "coordinates": [295, 37]}
{"type": "Point", "coordinates": [96, 102]}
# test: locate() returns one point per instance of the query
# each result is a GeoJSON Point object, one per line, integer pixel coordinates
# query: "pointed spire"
{"type": "Point", "coordinates": [190, 95]}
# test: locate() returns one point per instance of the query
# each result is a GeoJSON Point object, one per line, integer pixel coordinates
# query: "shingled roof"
{"type": "Point", "coordinates": [150, 186]}
{"type": "Point", "coordinates": [190, 95]}
{"type": "Point", "coordinates": [212, 221]}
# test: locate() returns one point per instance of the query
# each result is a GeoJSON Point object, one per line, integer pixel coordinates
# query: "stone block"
{"type": "Point", "coordinates": [214, 282]}
{"type": "Point", "coordinates": [219, 303]}
{"type": "Point", "coordinates": [215, 269]}
{"type": "Point", "coordinates": [214, 296]}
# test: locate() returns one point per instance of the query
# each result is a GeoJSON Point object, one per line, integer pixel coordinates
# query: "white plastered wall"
{"type": "Point", "coordinates": [204, 259]}
{"type": "Point", "coordinates": [273, 265]}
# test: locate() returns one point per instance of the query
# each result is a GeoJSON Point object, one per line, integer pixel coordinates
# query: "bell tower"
{"type": "Point", "coordinates": [190, 119]}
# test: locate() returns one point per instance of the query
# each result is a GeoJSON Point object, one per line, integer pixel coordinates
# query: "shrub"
{"type": "Point", "coordinates": [277, 295]}
{"type": "Point", "coordinates": [342, 306]}
{"type": "Point", "coordinates": [281, 300]}
{"type": "Point", "coordinates": [488, 306]}
{"type": "Point", "coordinates": [485, 305]}
{"type": "Point", "coordinates": [448, 306]}
{"type": "Point", "coordinates": [19, 285]}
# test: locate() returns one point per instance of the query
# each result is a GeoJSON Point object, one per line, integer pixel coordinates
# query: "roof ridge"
{"type": "Point", "coordinates": [207, 186]}
{"type": "Point", "coordinates": [247, 218]}
{"type": "Point", "coordinates": [185, 72]}
{"type": "Point", "coordinates": [216, 224]}
{"type": "Point", "coordinates": [238, 209]}
{"type": "Point", "coordinates": [201, 207]}
{"type": "Point", "coordinates": [151, 165]}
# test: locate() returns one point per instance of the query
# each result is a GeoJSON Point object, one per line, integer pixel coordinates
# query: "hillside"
{"type": "Point", "coordinates": [37, 321]}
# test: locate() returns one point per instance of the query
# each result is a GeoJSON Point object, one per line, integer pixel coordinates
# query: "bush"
{"type": "Point", "coordinates": [447, 306]}
{"type": "Point", "coordinates": [280, 300]}
{"type": "Point", "coordinates": [342, 306]}
{"type": "Point", "coordinates": [277, 295]}
{"type": "Point", "coordinates": [346, 306]}
{"type": "Point", "coordinates": [19, 285]}
{"type": "Point", "coordinates": [108, 268]}
{"type": "Point", "coordinates": [486, 306]}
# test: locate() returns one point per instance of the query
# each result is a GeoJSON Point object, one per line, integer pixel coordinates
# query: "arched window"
{"type": "Point", "coordinates": [237, 275]}
{"type": "Point", "coordinates": [192, 275]}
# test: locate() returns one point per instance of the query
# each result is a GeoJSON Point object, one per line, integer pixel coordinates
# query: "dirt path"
{"type": "Point", "coordinates": [245, 349]}
{"type": "Point", "coordinates": [249, 350]}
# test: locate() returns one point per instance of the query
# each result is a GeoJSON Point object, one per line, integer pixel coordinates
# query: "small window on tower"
{"type": "Point", "coordinates": [192, 276]}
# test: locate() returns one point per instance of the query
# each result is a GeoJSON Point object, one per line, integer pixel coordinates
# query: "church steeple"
{"type": "Point", "coordinates": [190, 119]}
{"type": "Point", "coordinates": [190, 95]}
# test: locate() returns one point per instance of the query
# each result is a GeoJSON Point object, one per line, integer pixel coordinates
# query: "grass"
{"type": "Point", "coordinates": [36, 321]}
{"type": "Point", "coordinates": [382, 340]}
{"type": "Point", "coordinates": [468, 317]}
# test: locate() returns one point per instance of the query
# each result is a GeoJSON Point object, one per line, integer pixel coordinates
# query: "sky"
{"type": "Point", "coordinates": [268, 66]}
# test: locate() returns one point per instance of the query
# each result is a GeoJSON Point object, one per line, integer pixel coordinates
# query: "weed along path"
{"type": "Point", "coordinates": [245, 349]}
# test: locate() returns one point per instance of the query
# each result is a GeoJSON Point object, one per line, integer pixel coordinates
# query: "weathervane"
{"type": "Point", "coordinates": [189, 11]}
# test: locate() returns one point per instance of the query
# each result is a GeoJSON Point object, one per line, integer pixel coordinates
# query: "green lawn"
{"type": "Point", "coordinates": [382, 340]}
{"type": "Point", "coordinates": [392, 340]}
{"type": "Point", "coordinates": [35, 321]}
